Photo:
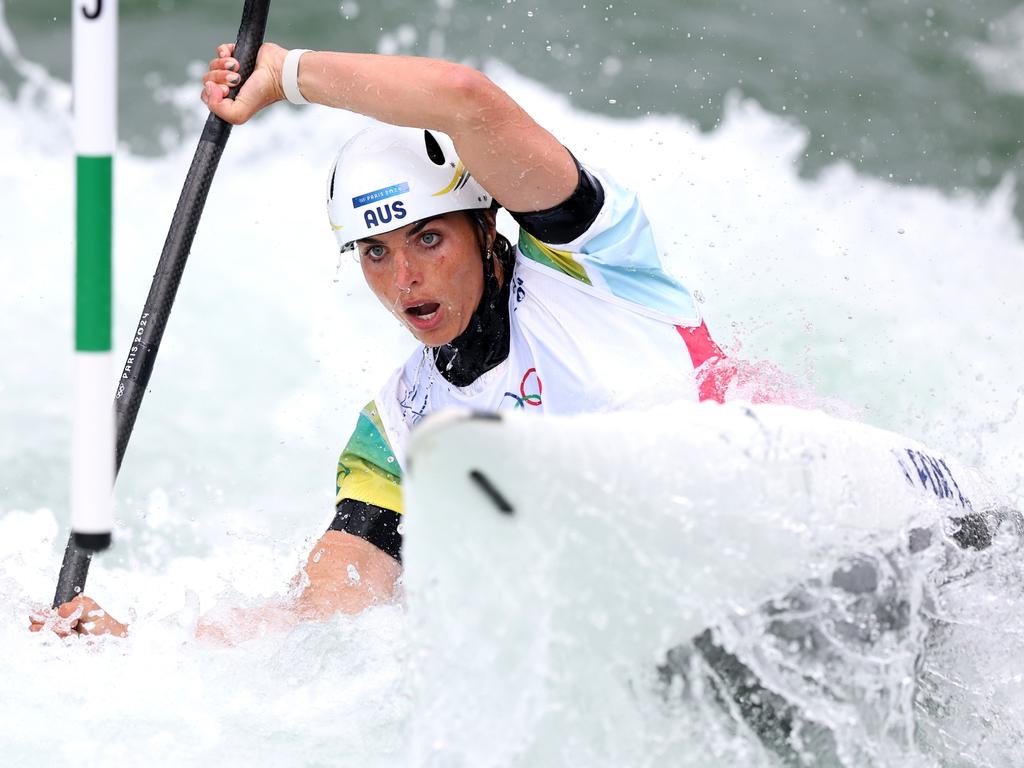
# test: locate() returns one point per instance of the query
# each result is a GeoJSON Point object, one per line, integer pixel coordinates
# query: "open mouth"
{"type": "Point", "coordinates": [424, 311]}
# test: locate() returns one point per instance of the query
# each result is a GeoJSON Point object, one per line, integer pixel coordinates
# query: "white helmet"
{"type": "Point", "coordinates": [386, 177]}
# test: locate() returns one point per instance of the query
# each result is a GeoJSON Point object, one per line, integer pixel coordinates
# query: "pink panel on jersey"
{"type": "Point", "coordinates": [712, 377]}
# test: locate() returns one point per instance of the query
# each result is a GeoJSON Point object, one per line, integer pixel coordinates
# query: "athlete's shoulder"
{"type": "Point", "coordinates": [405, 398]}
{"type": "Point", "coordinates": [615, 255]}
{"type": "Point", "coordinates": [368, 469]}
{"type": "Point", "coordinates": [567, 221]}
{"type": "Point", "coordinates": [370, 441]}
{"type": "Point", "coordinates": [602, 223]}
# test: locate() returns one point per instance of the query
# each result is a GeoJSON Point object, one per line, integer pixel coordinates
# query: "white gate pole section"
{"type": "Point", "coordinates": [94, 78]}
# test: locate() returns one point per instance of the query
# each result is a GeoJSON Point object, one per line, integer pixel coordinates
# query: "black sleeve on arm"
{"type": "Point", "coordinates": [377, 525]}
{"type": "Point", "coordinates": [569, 219]}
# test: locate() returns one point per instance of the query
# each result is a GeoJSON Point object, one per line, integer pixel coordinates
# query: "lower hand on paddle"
{"type": "Point", "coordinates": [81, 616]}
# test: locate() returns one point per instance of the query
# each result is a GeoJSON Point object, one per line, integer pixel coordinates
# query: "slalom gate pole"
{"type": "Point", "coordinates": [94, 76]}
{"type": "Point", "coordinates": [149, 332]}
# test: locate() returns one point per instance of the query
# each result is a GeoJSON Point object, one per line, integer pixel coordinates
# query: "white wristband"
{"type": "Point", "coordinates": [290, 76]}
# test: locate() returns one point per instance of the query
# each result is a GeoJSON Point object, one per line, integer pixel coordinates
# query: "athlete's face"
{"type": "Point", "coordinates": [427, 274]}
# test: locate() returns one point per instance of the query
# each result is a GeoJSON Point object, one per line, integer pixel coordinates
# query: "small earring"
{"type": "Point", "coordinates": [488, 254]}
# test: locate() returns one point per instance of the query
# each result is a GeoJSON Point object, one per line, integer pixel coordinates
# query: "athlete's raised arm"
{"type": "Point", "coordinates": [516, 160]}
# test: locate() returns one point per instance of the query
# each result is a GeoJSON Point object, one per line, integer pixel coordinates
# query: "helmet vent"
{"type": "Point", "coordinates": [334, 172]}
{"type": "Point", "coordinates": [434, 151]}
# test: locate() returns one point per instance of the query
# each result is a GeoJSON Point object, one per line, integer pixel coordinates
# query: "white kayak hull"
{"type": "Point", "coordinates": [556, 560]}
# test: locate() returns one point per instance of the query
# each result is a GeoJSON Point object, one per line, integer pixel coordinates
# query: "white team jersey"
{"type": "Point", "coordinates": [595, 325]}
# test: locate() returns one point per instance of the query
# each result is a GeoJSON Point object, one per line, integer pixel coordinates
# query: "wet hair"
{"type": "Point", "coordinates": [501, 249]}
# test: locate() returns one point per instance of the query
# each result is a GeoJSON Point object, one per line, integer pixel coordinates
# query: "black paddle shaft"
{"type": "Point", "coordinates": [142, 353]}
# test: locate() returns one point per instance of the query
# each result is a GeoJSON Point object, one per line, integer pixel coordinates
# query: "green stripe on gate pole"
{"type": "Point", "coordinates": [93, 281]}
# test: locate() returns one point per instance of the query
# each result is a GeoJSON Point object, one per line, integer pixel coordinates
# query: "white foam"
{"type": "Point", "coordinates": [1000, 59]}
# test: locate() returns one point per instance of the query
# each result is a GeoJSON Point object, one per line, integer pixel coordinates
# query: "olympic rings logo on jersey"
{"type": "Point", "coordinates": [534, 398]}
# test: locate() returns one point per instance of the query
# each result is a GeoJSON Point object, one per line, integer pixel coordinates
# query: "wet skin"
{"type": "Point", "coordinates": [428, 274]}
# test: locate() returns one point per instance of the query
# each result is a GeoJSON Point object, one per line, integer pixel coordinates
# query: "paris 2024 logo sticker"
{"type": "Point", "coordinates": [530, 391]}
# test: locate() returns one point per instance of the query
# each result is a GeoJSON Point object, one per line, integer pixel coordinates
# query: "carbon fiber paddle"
{"type": "Point", "coordinates": [142, 354]}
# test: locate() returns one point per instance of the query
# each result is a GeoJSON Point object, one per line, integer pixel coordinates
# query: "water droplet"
{"type": "Point", "coordinates": [611, 66]}
{"type": "Point", "coordinates": [353, 574]}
